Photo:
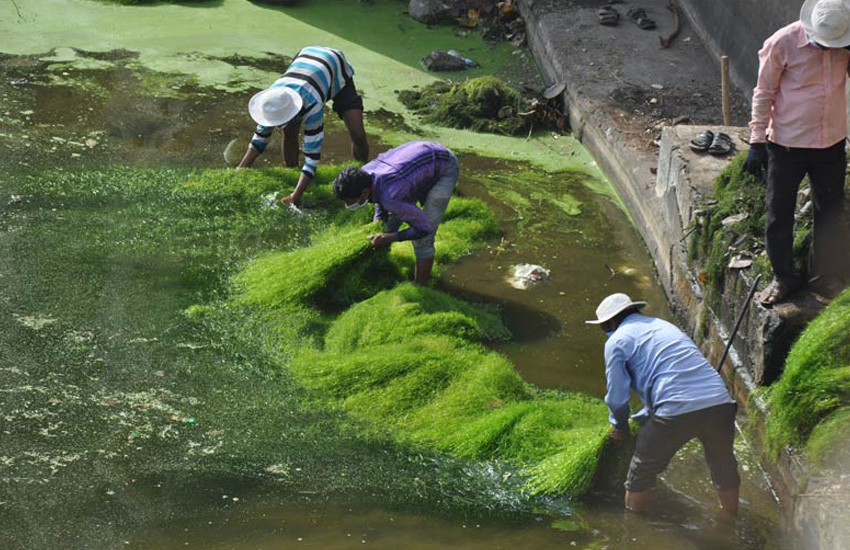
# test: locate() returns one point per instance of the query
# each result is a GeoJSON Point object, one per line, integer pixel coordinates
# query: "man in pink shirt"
{"type": "Point", "coordinates": [799, 126]}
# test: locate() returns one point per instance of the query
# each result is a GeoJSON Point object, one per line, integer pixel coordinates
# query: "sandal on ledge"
{"type": "Point", "coordinates": [608, 16]}
{"type": "Point", "coordinates": [774, 293]}
{"type": "Point", "coordinates": [703, 141]}
{"type": "Point", "coordinates": [638, 15]}
{"type": "Point", "coordinates": [721, 144]}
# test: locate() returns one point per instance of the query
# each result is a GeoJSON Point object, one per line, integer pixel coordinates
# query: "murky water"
{"type": "Point", "coordinates": [124, 424]}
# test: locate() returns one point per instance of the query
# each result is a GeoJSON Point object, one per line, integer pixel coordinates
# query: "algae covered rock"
{"type": "Point", "coordinates": [429, 11]}
{"type": "Point", "coordinates": [483, 104]}
{"type": "Point", "coordinates": [439, 60]}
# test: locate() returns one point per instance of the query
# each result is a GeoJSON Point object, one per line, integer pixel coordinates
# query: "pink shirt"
{"type": "Point", "coordinates": [799, 99]}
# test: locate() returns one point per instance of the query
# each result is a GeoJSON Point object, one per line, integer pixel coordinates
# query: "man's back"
{"type": "Point", "coordinates": [666, 368]}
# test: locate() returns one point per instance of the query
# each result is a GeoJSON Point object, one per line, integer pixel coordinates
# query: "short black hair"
{"type": "Point", "coordinates": [350, 182]}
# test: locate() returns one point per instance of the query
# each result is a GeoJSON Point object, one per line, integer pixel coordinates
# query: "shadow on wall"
{"type": "Point", "coordinates": [738, 28]}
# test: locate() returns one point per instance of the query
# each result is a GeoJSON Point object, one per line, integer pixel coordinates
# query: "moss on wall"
{"type": "Point", "coordinates": [810, 404]}
{"type": "Point", "coordinates": [712, 244]}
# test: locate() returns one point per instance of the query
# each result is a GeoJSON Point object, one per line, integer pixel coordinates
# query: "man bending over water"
{"type": "Point", "coordinates": [315, 75]}
{"type": "Point", "coordinates": [421, 172]}
{"type": "Point", "coordinates": [685, 398]}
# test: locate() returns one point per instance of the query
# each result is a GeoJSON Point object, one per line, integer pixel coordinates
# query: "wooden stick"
{"type": "Point", "coordinates": [724, 87]}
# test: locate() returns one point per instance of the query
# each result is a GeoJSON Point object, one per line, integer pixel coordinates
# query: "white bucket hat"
{"type": "Point", "coordinates": [827, 22]}
{"type": "Point", "coordinates": [612, 305]}
{"type": "Point", "coordinates": [275, 106]}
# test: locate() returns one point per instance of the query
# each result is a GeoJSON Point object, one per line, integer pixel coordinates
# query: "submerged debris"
{"type": "Point", "coordinates": [439, 61]}
{"type": "Point", "coordinates": [526, 275]}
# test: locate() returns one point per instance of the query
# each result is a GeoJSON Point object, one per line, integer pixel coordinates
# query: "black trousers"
{"type": "Point", "coordinates": [661, 437]}
{"type": "Point", "coordinates": [826, 169]}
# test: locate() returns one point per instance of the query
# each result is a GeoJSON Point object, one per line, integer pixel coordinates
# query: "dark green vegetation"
{"type": "Point", "coordinates": [810, 404]}
{"type": "Point", "coordinates": [713, 244]}
{"type": "Point", "coordinates": [483, 104]}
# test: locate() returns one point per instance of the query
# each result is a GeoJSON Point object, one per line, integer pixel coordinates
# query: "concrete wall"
{"type": "Point", "coordinates": [738, 28]}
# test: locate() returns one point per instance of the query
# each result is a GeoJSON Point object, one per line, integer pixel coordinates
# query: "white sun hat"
{"type": "Point", "coordinates": [612, 305]}
{"type": "Point", "coordinates": [275, 106]}
{"type": "Point", "coordinates": [827, 22]}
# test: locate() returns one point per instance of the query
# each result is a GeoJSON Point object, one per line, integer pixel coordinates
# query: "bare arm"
{"type": "Point", "coordinates": [303, 182]}
{"type": "Point", "coordinates": [250, 156]}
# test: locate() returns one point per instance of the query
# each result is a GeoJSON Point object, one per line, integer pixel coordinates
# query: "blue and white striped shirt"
{"type": "Point", "coordinates": [317, 74]}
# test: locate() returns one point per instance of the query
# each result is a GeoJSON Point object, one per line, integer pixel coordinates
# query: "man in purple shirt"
{"type": "Point", "coordinates": [422, 172]}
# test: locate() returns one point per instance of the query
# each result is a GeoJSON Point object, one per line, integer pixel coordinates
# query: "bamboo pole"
{"type": "Point", "coordinates": [724, 87]}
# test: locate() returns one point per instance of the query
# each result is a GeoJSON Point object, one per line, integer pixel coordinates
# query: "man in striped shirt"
{"type": "Point", "coordinates": [421, 172]}
{"type": "Point", "coordinates": [316, 75]}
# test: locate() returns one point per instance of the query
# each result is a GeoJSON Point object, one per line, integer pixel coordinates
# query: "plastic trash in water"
{"type": "Point", "coordinates": [526, 275]}
{"type": "Point", "coordinates": [270, 200]}
{"type": "Point", "coordinates": [466, 60]}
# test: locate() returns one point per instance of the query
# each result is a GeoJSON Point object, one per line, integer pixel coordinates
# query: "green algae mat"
{"type": "Point", "coordinates": [231, 46]}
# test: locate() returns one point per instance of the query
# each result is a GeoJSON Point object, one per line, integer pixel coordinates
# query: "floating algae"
{"type": "Point", "coordinates": [483, 104]}
{"type": "Point", "coordinates": [810, 404]}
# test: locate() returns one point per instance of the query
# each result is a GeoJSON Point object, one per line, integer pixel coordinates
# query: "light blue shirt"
{"type": "Point", "coordinates": [663, 366]}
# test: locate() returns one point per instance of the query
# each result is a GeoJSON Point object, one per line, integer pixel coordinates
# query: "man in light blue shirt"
{"type": "Point", "coordinates": [684, 398]}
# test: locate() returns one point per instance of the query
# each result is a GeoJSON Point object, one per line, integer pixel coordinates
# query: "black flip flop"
{"type": "Point", "coordinates": [721, 144]}
{"type": "Point", "coordinates": [608, 16]}
{"type": "Point", "coordinates": [703, 141]}
{"type": "Point", "coordinates": [638, 15]}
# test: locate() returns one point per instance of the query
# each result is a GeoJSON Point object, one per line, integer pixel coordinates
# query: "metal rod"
{"type": "Point", "coordinates": [738, 322]}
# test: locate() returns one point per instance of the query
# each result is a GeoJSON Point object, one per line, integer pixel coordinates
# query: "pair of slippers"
{"type": "Point", "coordinates": [713, 143]}
{"type": "Point", "coordinates": [609, 16]}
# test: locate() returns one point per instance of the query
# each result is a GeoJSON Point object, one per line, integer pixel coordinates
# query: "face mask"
{"type": "Point", "coordinates": [356, 205]}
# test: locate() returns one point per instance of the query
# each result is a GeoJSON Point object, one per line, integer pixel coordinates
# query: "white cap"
{"type": "Point", "coordinates": [275, 106]}
{"type": "Point", "coordinates": [827, 22]}
{"type": "Point", "coordinates": [611, 306]}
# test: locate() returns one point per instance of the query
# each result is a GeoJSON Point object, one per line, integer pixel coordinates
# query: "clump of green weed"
{"type": "Point", "coordinates": [409, 311]}
{"type": "Point", "coordinates": [407, 363]}
{"type": "Point", "coordinates": [483, 104]}
{"type": "Point", "coordinates": [812, 397]}
{"type": "Point", "coordinates": [337, 269]}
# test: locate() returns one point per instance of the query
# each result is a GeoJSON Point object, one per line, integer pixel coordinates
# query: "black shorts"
{"type": "Point", "coordinates": [347, 99]}
{"type": "Point", "coordinates": [661, 437]}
